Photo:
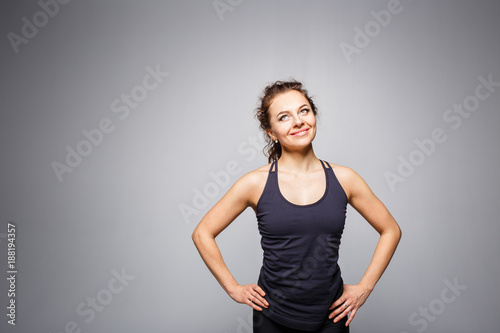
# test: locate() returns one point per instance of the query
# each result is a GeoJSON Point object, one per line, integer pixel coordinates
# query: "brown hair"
{"type": "Point", "coordinates": [272, 149]}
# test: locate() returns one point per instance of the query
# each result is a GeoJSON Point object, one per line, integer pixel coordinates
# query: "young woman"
{"type": "Point", "coordinates": [300, 203]}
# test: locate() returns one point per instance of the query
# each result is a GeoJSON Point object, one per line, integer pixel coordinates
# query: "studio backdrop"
{"type": "Point", "coordinates": [124, 122]}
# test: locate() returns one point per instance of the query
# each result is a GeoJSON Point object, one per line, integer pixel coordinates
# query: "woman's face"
{"type": "Point", "coordinates": [292, 120]}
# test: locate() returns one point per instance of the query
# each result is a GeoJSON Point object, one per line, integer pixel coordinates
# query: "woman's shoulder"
{"type": "Point", "coordinates": [253, 183]}
{"type": "Point", "coordinates": [343, 170]}
{"type": "Point", "coordinates": [256, 177]}
{"type": "Point", "coordinates": [346, 176]}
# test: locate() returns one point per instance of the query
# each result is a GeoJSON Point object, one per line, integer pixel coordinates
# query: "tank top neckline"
{"type": "Point", "coordinates": [274, 169]}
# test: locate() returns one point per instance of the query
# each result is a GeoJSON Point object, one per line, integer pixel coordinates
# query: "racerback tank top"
{"type": "Point", "coordinates": [299, 273]}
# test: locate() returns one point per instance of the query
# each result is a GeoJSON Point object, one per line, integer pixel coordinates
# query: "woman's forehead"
{"type": "Point", "coordinates": [288, 101]}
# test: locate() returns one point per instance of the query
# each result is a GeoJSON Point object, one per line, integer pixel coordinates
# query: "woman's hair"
{"type": "Point", "coordinates": [272, 149]}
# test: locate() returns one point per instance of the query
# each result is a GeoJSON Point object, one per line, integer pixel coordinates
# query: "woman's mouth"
{"type": "Point", "coordinates": [301, 132]}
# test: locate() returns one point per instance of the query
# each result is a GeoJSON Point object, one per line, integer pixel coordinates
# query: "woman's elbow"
{"type": "Point", "coordinates": [398, 233]}
{"type": "Point", "coordinates": [199, 234]}
{"type": "Point", "coordinates": [393, 231]}
{"type": "Point", "coordinates": [196, 235]}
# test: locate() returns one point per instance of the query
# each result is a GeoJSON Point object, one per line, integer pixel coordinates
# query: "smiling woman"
{"type": "Point", "coordinates": [273, 146]}
{"type": "Point", "coordinates": [300, 203]}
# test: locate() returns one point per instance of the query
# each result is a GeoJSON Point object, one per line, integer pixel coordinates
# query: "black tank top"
{"type": "Point", "coordinates": [300, 274]}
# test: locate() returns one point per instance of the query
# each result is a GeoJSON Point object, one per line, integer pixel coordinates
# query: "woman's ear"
{"type": "Point", "coordinates": [271, 135]}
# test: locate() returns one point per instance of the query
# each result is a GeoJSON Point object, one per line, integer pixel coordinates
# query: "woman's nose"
{"type": "Point", "coordinates": [298, 120]}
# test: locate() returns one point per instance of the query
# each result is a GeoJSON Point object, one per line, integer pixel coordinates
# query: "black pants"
{"type": "Point", "coordinates": [262, 324]}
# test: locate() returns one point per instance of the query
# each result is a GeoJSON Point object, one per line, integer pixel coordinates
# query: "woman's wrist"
{"type": "Point", "coordinates": [231, 289]}
{"type": "Point", "coordinates": [367, 286]}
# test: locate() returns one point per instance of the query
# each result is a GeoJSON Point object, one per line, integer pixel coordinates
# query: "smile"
{"type": "Point", "coordinates": [301, 132]}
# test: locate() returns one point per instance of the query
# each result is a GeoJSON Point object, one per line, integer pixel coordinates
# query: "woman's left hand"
{"type": "Point", "coordinates": [353, 297]}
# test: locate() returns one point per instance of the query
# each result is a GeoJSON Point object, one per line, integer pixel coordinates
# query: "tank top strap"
{"type": "Point", "coordinates": [330, 176]}
{"type": "Point", "coordinates": [324, 164]}
{"type": "Point", "coordinates": [274, 167]}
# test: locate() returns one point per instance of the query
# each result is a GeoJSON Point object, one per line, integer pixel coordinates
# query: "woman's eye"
{"type": "Point", "coordinates": [304, 111]}
{"type": "Point", "coordinates": [284, 117]}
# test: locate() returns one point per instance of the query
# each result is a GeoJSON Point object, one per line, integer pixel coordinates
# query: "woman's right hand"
{"type": "Point", "coordinates": [251, 294]}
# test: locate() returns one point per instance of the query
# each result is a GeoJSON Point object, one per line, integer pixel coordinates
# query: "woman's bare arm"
{"type": "Point", "coordinates": [240, 196]}
{"type": "Point", "coordinates": [374, 211]}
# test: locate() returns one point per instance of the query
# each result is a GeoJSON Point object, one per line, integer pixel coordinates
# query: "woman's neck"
{"type": "Point", "coordinates": [298, 161]}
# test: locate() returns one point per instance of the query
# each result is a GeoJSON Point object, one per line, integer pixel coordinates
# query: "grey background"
{"type": "Point", "coordinates": [121, 207]}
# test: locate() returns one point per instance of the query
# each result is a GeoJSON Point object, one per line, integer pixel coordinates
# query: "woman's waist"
{"type": "Point", "coordinates": [307, 289]}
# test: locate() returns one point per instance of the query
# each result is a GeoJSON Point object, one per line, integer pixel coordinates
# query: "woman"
{"type": "Point", "coordinates": [300, 204]}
